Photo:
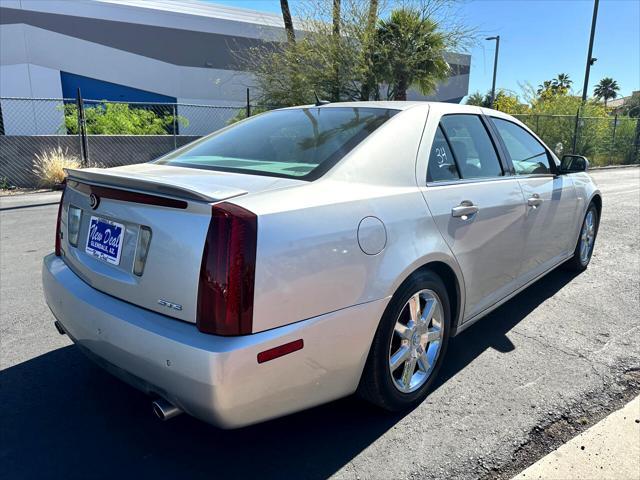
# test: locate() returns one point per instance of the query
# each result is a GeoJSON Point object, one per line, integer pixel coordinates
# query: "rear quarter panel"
{"type": "Point", "coordinates": [309, 261]}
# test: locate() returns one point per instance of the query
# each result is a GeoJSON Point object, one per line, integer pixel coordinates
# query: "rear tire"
{"type": "Point", "coordinates": [409, 345]}
{"type": "Point", "coordinates": [586, 241]}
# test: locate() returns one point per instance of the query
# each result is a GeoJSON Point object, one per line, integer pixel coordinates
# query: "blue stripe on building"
{"type": "Point", "coordinates": [94, 89]}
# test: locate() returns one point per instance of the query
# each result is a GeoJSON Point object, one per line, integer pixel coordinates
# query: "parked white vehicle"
{"type": "Point", "coordinates": [308, 253]}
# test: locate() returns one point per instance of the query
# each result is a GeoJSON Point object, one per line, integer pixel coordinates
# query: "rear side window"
{"type": "Point", "coordinates": [527, 154]}
{"type": "Point", "coordinates": [295, 143]}
{"type": "Point", "coordinates": [473, 149]}
{"type": "Point", "coordinates": [442, 166]}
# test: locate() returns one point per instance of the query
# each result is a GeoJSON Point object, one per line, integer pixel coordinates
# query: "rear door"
{"type": "Point", "coordinates": [478, 207]}
{"type": "Point", "coordinates": [551, 199]}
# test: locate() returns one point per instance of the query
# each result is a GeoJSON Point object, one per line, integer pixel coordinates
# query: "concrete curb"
{"type": "Point", "coordinates": [612, 167]}
{"type": "Point", "coordinates": [40, 199]}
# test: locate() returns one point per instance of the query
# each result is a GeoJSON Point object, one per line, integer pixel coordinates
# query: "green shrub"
{"type": "Point", "coordinates": [120, 119]}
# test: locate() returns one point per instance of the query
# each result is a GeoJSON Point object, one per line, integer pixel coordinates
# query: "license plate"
{"type": "Point", "coordinates": [105, 239]}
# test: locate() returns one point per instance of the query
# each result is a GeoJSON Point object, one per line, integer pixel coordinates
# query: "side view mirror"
{"type": "Point", "coordinates": [573, 164]}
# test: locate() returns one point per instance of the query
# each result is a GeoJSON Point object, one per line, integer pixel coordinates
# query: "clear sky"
{"type": "Point", "coordinates": [541, 38]}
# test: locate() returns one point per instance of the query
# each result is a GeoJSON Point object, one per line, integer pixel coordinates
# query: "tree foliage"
{"type": "Point", "coordinates": [555, 119]}
{"type": "Point", "coordinates": [603, 138]}
{"type": "Point", "coordinates": [343, 51]}
{"type": "Point", "coordinates": [561, 85]}
{"type": "Point", "coordinates": [477, 99]}
{"type": "Point", "coordinates": [509, 103]}
{"type": "Point", "coordinates": [505, 101]}
{"type": "Point", "coordinates": [552, 112]}
{"type": "Point", "coordinates": [409, 52]}
{"type": "Point", "coordinates": [631, 107]}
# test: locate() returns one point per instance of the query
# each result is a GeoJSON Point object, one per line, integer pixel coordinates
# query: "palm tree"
{"type": "Point", "coordinates": [335, 15]}
{"type": "Point", "coordinates": [368, 84]}
{"type": "Point", "coordinates": [475, 99]}
{"type": "Point", "coordinates": [288, 22]}
{"type": "Point", "coordinates": [545, 86]}
{"type": "Point", "coordinates": [558, 86]}
{"type": "Point", "coordinates": [411, 52]}
{"type": "Point", "coordinates": [562, 83]}
{"type": "Point", "coordinates": [607, 89]}
{"type": "Point", "coordinates": [336, 45]}
{"type": "Point", "coordinates": [479, 100]}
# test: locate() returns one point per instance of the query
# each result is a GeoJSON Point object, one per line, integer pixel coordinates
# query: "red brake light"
{"type": "Point", "coordinates": [58, 247]}
{"type": "Point", "coordinates": [227, 273]}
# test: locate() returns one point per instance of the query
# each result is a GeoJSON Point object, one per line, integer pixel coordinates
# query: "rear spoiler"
{"type": "Point", "coordinates": [209, 193]}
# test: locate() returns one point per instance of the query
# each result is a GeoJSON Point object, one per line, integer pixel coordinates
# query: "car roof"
{"type": "Point", "coordinates": [387, 104]}
{"type": "Point", "coordinates": [441, 108]}
{"type": "Point", "coordinates": [395, 105]}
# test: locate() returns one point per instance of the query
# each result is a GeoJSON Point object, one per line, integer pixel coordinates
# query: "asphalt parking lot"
{"type": "Point", "coordinates": [558, 356]}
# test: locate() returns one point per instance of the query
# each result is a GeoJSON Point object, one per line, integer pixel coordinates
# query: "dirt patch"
{"type": "Point", "coordinates": [546, 437]}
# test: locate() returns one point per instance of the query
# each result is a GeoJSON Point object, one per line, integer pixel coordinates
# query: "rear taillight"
{"type": "Point", "coordinates": [227, 273]}
{"type": "Point", "coordinates": [58, 248]}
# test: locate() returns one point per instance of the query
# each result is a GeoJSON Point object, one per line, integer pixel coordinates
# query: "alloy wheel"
{"type": "Point", "coordinates": [587, 237]}
{"type": "Point", "coordinates": [416, 341]}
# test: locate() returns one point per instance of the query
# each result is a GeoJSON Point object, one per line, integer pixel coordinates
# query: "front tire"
{"type": "Point", "coordinates": [586, 241]}
{"type": "Point", "coordinates": [409, 345]}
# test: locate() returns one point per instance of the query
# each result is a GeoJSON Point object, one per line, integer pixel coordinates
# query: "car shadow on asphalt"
{"type": "Point", "coordinates": [491, 331]}
{"type": "Point", "coordinates": [63, 417]}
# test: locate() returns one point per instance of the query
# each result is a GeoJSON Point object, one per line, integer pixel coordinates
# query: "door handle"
{"type": "Point", "coordinates": [464, 210]}
{"type": "Point", "coordinates": [534, 200]}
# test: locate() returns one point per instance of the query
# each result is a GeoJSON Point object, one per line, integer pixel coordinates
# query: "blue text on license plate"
{"type": "Point", "coordinates": [105, 239]}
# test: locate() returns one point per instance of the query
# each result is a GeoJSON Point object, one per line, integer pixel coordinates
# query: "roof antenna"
{"type": "Point", "coordinates": [320, 102]}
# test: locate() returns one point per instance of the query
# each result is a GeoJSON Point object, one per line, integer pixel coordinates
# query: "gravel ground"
{"type": "Point", "coordinates": [544, 366]}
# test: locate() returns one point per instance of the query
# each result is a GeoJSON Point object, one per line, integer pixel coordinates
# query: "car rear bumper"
{"type": "Point", "coordinates": [216, 379]}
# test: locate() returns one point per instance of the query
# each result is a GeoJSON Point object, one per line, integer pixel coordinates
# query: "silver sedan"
{"type": "Point", "coordinates": [309, 253]}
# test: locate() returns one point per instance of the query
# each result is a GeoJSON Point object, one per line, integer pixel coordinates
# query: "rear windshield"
{"type": "Point", "coordinates": [298, 143]}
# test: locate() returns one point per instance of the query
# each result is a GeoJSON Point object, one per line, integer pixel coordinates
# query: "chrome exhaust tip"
{"type": "Point", "coordinates": [165, 410]}
{"type": "Point", "coordinates": [58, 326]}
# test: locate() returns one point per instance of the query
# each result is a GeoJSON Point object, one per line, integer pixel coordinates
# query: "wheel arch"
{"type": "Point", "coordinates": [597, 200]}
{"type": "Point", "coordinates": [452, 282]}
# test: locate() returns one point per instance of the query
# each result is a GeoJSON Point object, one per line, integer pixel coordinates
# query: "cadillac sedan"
{"type": "Point", "coordinates": [309, 253]}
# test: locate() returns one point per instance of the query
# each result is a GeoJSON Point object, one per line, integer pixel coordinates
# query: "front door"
{"type": "Point", "coordinates": [478, 208]}
{"type": "Point", "coordinates": [551, 200]}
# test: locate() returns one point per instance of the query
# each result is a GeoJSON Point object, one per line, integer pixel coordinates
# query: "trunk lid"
{"type": "Point", "coordinates": [173, 203]}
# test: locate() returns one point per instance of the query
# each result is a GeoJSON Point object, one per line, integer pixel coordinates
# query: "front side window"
{"type": "Point", "coordinates": [473, 149]}
{"type": "Point", "coordinates": [296, 143]}
{"type": "Point", "coordinates": [527, 154]}
{"type": "Point", "coordinates": [442, 166]}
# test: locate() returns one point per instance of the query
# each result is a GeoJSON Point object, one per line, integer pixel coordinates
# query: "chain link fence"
{"type": "Point", "coordinates": [123, 133]}
{"type": "Point", "coordinates": [117, 133]}
{"type": "Point", "coordinates": [605, 141]}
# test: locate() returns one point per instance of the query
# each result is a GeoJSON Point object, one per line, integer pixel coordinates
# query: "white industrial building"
{"type": "Point", "coordinates": [138, 50]}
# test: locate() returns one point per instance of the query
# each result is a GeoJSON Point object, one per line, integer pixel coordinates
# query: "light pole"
{"type": "Point", "coordinates": [590, 61]}
{"type": "Point", "coordinates": [495, 68]}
